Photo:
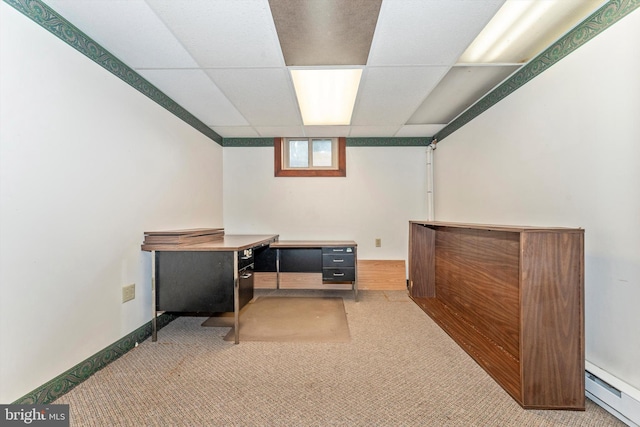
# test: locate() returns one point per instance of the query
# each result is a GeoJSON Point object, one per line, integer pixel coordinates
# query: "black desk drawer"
{"type": "Point", "coordinates": [245, 258]}
{"type": "Point", "coordinates": [338, 260]}
{"type": "Point", "coordinates": [301, 260]}
{"type": "Point", "coordinates": [338, 274]}
{"type": "Point", "coordinates": [337, 250]}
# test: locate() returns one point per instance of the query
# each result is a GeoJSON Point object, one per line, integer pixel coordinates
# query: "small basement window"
{"type": "Point", "coordinates": [310, 156]}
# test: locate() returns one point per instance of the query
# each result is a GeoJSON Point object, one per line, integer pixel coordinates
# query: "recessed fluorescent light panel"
{"type": "Point", "coordinates": [326, 96]}
{"type": "Point", "coordinates": [523, 28]}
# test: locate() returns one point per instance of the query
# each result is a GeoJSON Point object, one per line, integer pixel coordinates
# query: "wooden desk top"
{"type": "Point", "coordinates": [493, 227]}
{"type": "Point", "coordinates": [229, 242]}
{"type": "Point", "coordinates": [311, 243]}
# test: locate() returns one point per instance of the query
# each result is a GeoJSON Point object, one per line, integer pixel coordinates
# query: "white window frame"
{"type": "Point", "coordinates": [286, 157]}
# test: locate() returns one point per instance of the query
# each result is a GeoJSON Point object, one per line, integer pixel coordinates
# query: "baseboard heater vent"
{"type": "Point", "coordinates": [616, 402]}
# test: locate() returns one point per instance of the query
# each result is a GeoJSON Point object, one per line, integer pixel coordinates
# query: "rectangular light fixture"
{"type": "Point", "coordinates": [326, 96]}
{"type": "Point", "coordinates": [521, 29]}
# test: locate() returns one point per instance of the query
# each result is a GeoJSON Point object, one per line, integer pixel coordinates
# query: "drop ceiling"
{"type": "Point", "coordinates": [227, 62]}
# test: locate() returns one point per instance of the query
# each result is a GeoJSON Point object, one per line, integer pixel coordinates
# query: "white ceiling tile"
{"type": "Point", "coordinates": [235, 131]}
{"type": "Point", "coordinates": [410, 131]}
{"type": "Point", "coordinates": [194, 91]}
{"type": "Point", "coordinates": [280, 131]}
{"type": "Point", "coordinates": [233, 76]}
{"type": "Point", "coordinates": [326, 131]}
{"type": "Point", "coordinates": [390, 95]}
{"type": "Point", "coordinates": [434, 32]}
{"type": "Point", "coordinates": [223, 33]}
{"type": "Point", "coordinates": [373, 131]}
{"type": "Point", "coordinates": [458, 90]}
{"type": "Point", "coordinates": [128, 29]}
{"type": "Point", "coordinates": [264, 96]}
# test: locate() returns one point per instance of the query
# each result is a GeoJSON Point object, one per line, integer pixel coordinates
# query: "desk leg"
{"type": "Point", "coordinates": [278, 268]}
{"type": "Point", "coordinates": [154, 313]}
{"type": "Point", "coordinates": [355, 266]}
{"type": "Point", "coordinates": [236, 299]}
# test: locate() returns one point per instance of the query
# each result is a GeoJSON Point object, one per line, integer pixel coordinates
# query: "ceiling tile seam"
{"type": "Point", "coordinates": [374, 40]}
{"type": "Point", "coordinates": [289, 82]}
{"type": "Point", "coordinates": [200, 67]}
{"type": "Point", "coordinates": [484, 25]}
{"type": "Point", "coordinates": [506, 79]}
{"type": "Point", "coordinates": [292, 90]}
{"type": "Point", "coordinates": [424, 98]}
{"type": "Point", "coordinates": [597, 22]}
{"type": "Point", "coordinates": [415, 108]}
{"type": "Point", "coordinates": [249, 123]}
{"type": "Point", "coordinates": [50, 20]}
{"type": "Point", "coordinates": [175, 37]}
{"type": "Point", "coordinates": [226, 97]}
{"type": "Point", "coordinates": [274, 33]}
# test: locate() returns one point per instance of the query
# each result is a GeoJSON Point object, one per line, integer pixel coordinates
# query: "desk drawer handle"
{"type": "Point", "coordinates": [338, 274]}
{"type": "Point", "coordinates": [246, 276]}
{"type": "Point", "coordinates": [338, 250]}
{"type": "Point", "coordinates": [246, 257]}
{"type": "Point", "coordinates": [338, 260]}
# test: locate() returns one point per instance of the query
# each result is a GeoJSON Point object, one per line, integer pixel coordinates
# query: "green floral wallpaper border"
{"type": "Point", "coordinates": [603, 18]}
{"type": "Point", "coordinates": [44, 16]}
{"type": "Point", "coordinates": [388, 142]}
{"type": "Point", "coordinates": [48, 19]}
{"type": "Point", "coordinates": [247, 142]}
{"type": "Point", "coordinates": [65, 382]}
{"type": "Point", "coordinates": [351, 142]}
{"type": "Point", "coordinates": [600, 20]}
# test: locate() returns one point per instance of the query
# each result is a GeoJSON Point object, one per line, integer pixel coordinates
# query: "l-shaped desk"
{"type": "Point", "coordinates": [336, 260]}
{"type": "Point", "coordinates": [196, 272]}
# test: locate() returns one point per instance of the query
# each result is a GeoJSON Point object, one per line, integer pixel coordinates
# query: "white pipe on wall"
{"type": "Point", "coordinates": [430, 202]}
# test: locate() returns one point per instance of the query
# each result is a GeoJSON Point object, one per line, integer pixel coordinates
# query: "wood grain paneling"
{"type": "Point", "coordinates": [553, 320]}
{"type": "Point", "coordinates": [486, 262]}
{"type": "Point", "coordinates": [421, 261]}
{"type": "Point", "coordinates": [263, 280]}
{"type": "Point", "coordinates": [503, 367]}
{"type": "Point", "coordinates": [297, 281]}
{"type": "Point", "coordinates": [382, 275]}
{"type": "Point", "coordinates": [513, 299]}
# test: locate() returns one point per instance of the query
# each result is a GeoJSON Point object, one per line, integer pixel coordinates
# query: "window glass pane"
{"type": "Point", "coordinates": [322, 152]}
{"type": "Point", "coordinates": [299, 154]}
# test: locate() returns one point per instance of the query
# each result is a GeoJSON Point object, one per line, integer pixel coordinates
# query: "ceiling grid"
{"type": "Point", "coordinates": [224, 66]}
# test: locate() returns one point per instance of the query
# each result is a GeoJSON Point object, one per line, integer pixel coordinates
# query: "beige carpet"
{"type": "Point", "coordinates": [291, 319]}
{"type": "Point", "coordinates": [398, 370]}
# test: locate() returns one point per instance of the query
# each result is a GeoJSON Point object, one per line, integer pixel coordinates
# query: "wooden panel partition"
{"type": "Point", "coordinates": [512, 298]}
{"type": "Point", "coordinates": [421, 262]}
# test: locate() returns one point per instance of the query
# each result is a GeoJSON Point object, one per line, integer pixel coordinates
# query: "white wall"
{"type": "Point", "coordinates": [87, 164]}
{"type": "Point", "coordinates": [563, 151]}
{"type": "Point", "coordinates": [385, 187]}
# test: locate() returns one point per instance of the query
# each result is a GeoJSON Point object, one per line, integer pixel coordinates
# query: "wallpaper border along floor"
{"type": "Point", "coordinates": [63, 383]}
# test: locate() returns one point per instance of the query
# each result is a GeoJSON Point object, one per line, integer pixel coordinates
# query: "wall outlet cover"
{"type": "Point", "coordinates": [128, 292]}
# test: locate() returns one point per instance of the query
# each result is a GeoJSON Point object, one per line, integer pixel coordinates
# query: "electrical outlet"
{"type": "Point", "coordinates": [378, 242]}
{"type": "Point", "coordinates": [128, 292]}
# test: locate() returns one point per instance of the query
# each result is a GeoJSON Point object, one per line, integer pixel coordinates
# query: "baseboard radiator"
{"type": "Point", "coordinates": [602, 389]}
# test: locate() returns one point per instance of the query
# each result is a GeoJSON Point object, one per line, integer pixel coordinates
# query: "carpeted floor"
{"type": "Point", "coordinates": [293, 319]}
{"type": "Point", "coordinates": [398, 369]}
